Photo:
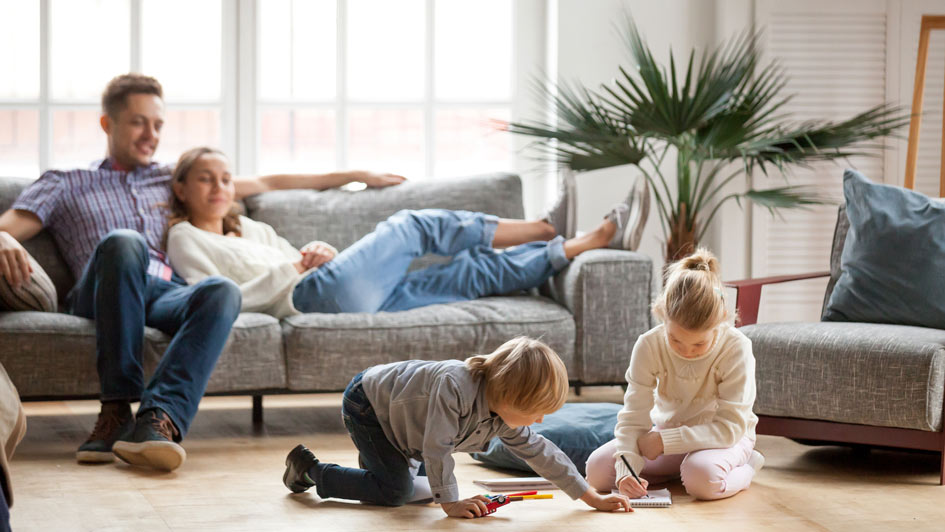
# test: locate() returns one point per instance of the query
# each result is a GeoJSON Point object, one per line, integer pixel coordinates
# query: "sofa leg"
{"type": "Point", "coordinates": [257, 411]}
{"type": "Point", "coordinates": [577, 390]}
{"type": "Point", "coordinates": [941, 478]}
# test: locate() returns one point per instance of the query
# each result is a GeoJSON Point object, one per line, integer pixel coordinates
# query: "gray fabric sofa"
{"type": "Point", "coordinates": [591, 313]}
{"type": "Point", "coordinates": [860, 383]}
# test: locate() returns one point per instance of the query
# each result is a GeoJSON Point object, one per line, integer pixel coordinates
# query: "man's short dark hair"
{"type": "Point", "coordinates": [116, 92]}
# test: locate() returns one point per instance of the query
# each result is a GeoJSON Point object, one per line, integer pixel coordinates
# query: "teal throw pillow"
{"type": "Point", "coordinates": [577, 429]}
{"type": "Point", "coordinates": [892, 269]}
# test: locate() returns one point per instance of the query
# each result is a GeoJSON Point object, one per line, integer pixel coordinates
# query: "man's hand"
{"type": "Point", "coordinates": [651, 445]}
{"type": "Point", "coordinates": [314, 254]}
{"type": "Point", "coordinates": [376, 180]}
{"type": "Point", "coordinates": [468, 508]}
{"type": "Point", "coordinates": [631, 488]}
{"type": "Point", "coordinates": [14, 261]}
{"type": "Point", "coordinates": [606, 503]}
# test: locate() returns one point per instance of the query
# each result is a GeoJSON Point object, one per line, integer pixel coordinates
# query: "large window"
{"type": "Point", "coordinates": [58, 55]}
{"type": "Point", "coordinates": [410, 86]}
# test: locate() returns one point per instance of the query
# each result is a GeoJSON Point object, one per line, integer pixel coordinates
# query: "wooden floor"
{"type": "Point", "coordinates": [232, 481]}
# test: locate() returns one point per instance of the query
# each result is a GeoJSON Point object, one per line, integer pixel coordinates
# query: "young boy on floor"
{"type": "Point", "coordinates": [405, 413]}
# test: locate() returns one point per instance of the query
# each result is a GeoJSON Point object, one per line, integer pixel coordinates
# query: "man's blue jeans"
{"type": "Point", "coordinates": [4, 511]}
{"type": "Point", "coordinates": [122, 298]}
{"type": "Point", "coordinates": [371, 275]}
{"type": "Point", "coordinates": [387, 477]}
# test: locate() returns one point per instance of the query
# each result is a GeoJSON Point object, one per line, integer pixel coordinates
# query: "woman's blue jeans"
{"type": "Point", "coordinates": [371, 275]}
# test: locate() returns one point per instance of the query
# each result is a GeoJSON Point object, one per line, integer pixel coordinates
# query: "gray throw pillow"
{"type": "Point", "coordinates": [38, 293]}
{"type": "Point", "coordinates": [892, 269]}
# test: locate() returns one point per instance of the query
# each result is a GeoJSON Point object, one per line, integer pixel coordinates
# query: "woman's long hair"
{"type": "Point", "coordinates": [177, 211]}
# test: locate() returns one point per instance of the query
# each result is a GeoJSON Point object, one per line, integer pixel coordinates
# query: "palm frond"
{"type": "Point", "coordinates": [787, 197]}
{"type": "Point", "coordinates": [585, 137]}
{"type": "Point", "coordinates": [773, 199]}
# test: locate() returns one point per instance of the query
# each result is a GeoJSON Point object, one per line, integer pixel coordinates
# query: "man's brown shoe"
{"type": "Point", "coordinates": [114, 421]}
{"type": "Point", "coordinates": [152, 444]}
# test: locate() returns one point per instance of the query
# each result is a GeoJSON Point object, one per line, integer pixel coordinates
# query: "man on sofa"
{"type": "Point", "coordinates": [109, 222]}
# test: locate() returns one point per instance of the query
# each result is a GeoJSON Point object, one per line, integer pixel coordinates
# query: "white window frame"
{"type": "Point", "coordinates": [240, 107]}
{"type": "Point", "coordinates": [528, 30]}
{"type": "Point", "coordinates": [46, 104]}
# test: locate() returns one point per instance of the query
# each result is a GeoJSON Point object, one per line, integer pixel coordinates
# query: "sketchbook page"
{"type": "Point", "coordinates": [516, 484]}
{"type": "Point", "coordinates": [653, 499]}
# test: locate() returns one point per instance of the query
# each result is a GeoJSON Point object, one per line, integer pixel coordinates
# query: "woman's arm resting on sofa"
{"type": "Point", "coordinates": [249, 186]}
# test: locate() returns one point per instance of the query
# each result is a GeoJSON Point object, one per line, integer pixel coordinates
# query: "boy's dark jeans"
{"type": "Point", "coordinates": [386, 478]}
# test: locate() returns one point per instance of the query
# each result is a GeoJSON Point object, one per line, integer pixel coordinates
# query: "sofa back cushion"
{"type": "Point", "coordinates": [893, 257]}
{"type": "Point", "coordinates": [341, 217]}
{"type": "Point", "coordinates": [836, 251]}
{"type": "Point", "coordinates": [42, 246]}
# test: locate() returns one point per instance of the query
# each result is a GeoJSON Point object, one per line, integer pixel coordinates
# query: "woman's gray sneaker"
{"type": "Point", "coordinates": [562, 214]}
{"type": "Point", "coordinates": [630, 217]}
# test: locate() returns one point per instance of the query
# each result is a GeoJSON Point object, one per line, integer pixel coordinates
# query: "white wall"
{"type": "Point", "coordinates": [589, 50]}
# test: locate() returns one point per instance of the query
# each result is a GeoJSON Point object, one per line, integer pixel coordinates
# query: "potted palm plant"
{"type": "Point", "coordinates": [722, 118]}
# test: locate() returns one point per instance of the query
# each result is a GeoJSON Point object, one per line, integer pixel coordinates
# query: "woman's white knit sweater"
{"type": "Point", "coordinates": [261, 262]}
{"type": "Point", "coordinates": [700, 403]}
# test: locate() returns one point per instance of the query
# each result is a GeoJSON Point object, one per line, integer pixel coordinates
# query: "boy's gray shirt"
{"type": "Point", "coordinates": [429, 410]}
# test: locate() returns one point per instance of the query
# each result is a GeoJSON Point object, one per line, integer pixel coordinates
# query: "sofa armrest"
{"type": "Point", "coordinates": [748, 293]}
{"type": "Point", "coordinates": [609, 293]}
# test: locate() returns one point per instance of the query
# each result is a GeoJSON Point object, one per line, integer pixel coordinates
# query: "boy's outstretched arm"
{"type": "Point", "coordinates": [606, 502]}
{"type": "Point", "coordinates": [468, 508]}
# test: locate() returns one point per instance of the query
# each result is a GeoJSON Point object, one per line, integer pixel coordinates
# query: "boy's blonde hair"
{"type": "Point", "coordinates": [524, 374]}
{"type": "Point", "coordinates": [692, 295]}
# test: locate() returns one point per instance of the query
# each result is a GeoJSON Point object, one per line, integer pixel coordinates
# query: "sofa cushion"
{"type": "Point", "coordinates": [65, 345]}
{"type": "Point", "coordinates": [37, 293]}
{"type": "Point", "coordinates": [49, 354]}
{"type": "Point", "coordinates": [41, 247]}
{"type": "Point", "coordinates": [893, 258]}
{"type": "Point", "coordinates": [341, 217]}
{"type": "Point", "coordinates": [252, 358]}
{"type": "Point", "coordinates": [836, 251]}
{"type": "Point", "coordinates": [870, 374]}
{"type": "Point", "coordinates": [324, 351]}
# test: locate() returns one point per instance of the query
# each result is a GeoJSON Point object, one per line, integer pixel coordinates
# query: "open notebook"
{"type": "Point", "coordinates": [653, 499]}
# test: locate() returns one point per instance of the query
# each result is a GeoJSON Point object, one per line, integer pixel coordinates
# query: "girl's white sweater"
{"type": "Point", "coordinates": [695, 403]}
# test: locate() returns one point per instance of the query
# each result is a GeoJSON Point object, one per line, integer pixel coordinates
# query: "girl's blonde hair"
{"type": "Point", "coordinates": [692, 294]}
{"type": "Point", "coordinates": [524, 374]}
{"type": "Point", "coordinates": [177, 211]}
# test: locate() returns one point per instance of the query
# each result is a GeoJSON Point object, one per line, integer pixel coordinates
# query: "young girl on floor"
{"type": "Point", "coordinates": [702, 427]}
{"type": "Point", "coordinates": [404, 413]}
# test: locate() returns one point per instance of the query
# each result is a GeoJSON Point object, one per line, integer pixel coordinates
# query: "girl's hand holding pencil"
{"type": "Point", "coordinates": [630, 487]}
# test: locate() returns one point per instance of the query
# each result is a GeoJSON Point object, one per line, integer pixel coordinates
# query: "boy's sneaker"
{"type": "Point", "coordinates": [114, 421]}
{"type": "Point", "coordinates": [757, 461]}
{"type": "Point", "coordinates": [630, 217]}
{"type": "Point", "coordinates": [152, 444]}
{"type": "Point", "coordinates": [297, 465]}
{"type": "Point", "coordinates": [562, 214]}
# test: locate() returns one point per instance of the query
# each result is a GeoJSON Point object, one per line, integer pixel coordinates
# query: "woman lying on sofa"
{"type": "Point", "coordinates": [206, 237]}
